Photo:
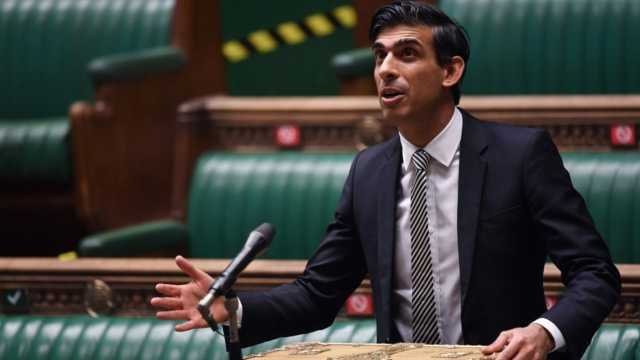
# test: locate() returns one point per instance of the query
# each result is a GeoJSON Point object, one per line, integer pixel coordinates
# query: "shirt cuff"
{"type": "Point", "coordinates": [238, 315]}
{"type": "Point", "coordinates": [554, 331]}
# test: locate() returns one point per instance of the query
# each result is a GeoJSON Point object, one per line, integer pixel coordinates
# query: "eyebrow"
{"type": "Point", "coordinates": [401, 42]}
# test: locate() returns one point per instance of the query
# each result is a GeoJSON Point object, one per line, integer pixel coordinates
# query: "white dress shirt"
{"type": "Point", "coordinates": [442, 190]}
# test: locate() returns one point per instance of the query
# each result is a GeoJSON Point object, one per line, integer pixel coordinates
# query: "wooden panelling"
{"type": "Point", "coordinates": [56, 287]}
{"type": "Point", "coordinates": [124, 143]}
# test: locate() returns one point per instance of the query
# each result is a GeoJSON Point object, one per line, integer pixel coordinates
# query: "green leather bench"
{"type": "Point", "coordinates": [83, 337]}
{"type": "Point", "coordinates": [233, 193]}
{"type": "Point", "coordinates": [610, 185]}
{"type": "Point", "coordinates": [46, 48]}
{"type": "Point", "coordinates": [538, 47]}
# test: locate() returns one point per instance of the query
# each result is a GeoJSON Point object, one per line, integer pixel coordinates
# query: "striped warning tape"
{"type": "Point", "coordinates": [290, 33]}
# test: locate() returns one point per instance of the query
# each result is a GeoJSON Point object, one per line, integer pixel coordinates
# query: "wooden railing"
{"type": "Point", "coordinates": [124, 287]}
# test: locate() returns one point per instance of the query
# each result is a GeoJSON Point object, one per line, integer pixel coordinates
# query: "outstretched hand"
{"type": "Point", "coordinates": [183, 299]}
{"type": "Point", "coordinates": [530, 343]}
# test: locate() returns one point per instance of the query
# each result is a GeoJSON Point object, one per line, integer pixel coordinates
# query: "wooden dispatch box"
{"type": "Point", "coordinates": [400, 351]}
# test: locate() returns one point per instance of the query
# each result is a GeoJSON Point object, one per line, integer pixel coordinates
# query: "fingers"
{"type": "Point", "coordinates": [172, 315]}
{"type": "Point", "coordinates": [171, 290]}
{"type": "Point", "coordinates": [520, 350]}
{"type": "Point", "coordinates": [509, 352]}
{"type": "Point", "coordinates": [190, 325]}
{"type": "Point", "coordinates": [190, 270]}
{"type": "Point", "coordinates": [499, 344]}
{"type": "Point", "coordinates": [167, 302]}
{"type": "Point", "coordinates": [521, 344]}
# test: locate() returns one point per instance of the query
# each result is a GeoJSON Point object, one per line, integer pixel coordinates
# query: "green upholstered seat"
{"type": "Point", "coordinates": [539, 47]}
{"type": "Point", "coordinates": [610, 185]}
{"type": "Point", "coordinates": [83, 337]}
{"type": "Point", "coordinates": [231, 194]}
{"type": "Point", "coordinates": [45, 47]}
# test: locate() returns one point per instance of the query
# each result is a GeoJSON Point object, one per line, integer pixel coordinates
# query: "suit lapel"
{"type": "Point", "coordinates": [387, 196]}
{"type": "Point", "coordinates": [471, 178]}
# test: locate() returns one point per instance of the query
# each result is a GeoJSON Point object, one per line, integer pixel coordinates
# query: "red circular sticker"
{"type": "Point", "coordinates": [622, 135]}
{"type": "Point", "coordinates": [359, 304]}
{"type": "Point", "coordinates": [288, 135]}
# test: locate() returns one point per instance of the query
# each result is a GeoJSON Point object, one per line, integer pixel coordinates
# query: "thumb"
{"type": "Point", "coordinates": [189, 269]}
{"type": "Point", "coordinates": [498, 344]}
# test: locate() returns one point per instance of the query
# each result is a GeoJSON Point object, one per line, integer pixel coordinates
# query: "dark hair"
{"type": "Point", "coordinates": [448, 36]}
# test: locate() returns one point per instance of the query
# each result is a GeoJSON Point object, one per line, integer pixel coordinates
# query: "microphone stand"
{"type": "Point", "coordinates": [257, 243]}
{"type": "Point", "coordinates": [231, 305]}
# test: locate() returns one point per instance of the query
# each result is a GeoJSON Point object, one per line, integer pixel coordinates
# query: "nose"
{"type": "Point", "coordinates": [387, 70]}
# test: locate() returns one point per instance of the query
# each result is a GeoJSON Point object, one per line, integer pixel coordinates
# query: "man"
{"type": "Point", "coordinates": [453, 220]}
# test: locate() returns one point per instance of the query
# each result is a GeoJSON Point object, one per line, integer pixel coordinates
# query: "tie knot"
{"type": "Point", "coordinates": [421, 159]}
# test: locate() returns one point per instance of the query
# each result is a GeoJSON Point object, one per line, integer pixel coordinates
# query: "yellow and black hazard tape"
{"type": "Point", "coordinates": [290, 33]}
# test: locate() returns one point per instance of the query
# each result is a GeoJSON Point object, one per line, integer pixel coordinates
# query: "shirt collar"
{"type": "Point", "coordinates": [442, 148]}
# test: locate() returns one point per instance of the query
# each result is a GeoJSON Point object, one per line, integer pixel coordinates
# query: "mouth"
{"type": "Point", "coordinates": [390, 95]}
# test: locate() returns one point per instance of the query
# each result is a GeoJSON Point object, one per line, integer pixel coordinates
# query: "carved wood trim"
{"type": "Point", "coordinates": [58, 287]}
{"type": "Point", "coordinates": [330, 123]}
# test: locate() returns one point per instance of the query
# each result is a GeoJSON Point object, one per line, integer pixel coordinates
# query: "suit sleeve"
{"type": "Point", "coordinates": [313, 300]}
{"type": "Point", "coordinates": [561, 218]}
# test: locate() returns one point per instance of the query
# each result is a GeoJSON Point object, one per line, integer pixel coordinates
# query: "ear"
{"type": "Point", "coordinates": [453, 72]}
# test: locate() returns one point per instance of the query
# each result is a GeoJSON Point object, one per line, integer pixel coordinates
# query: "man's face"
{"type": "Point", "coordinates": [407, 74]}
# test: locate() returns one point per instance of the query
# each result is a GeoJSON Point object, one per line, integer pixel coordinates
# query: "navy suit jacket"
{"type": "Point", "coordinates": [516, 205]}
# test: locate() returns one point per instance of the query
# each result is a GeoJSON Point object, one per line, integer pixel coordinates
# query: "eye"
{"type": "Point", "coordinates": [408, 52]}
{"type": "Point", "coordinates": [379, 55]}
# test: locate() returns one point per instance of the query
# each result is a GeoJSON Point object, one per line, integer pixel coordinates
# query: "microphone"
{"type": "Point", "coordinates": [257, 243]}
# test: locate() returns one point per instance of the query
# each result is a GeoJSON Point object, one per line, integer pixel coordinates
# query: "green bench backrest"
{"type": "Point", "coordinates": [231, 194]}
{"type": "Point", "coordinates": [83, 337]}
{"type": "Point", "coordinates": [610, 185]}
{"type": "Point", "coordinates": [45, 46]}
{"type": "Point", "coordinates": [550, 46]}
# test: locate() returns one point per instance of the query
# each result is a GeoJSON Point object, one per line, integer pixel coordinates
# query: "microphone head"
{"type": "Point", "coordinates": [267, 231]}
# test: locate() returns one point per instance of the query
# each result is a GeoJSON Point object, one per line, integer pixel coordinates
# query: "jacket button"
{"type": "Point", "coordinates": [388, 340]}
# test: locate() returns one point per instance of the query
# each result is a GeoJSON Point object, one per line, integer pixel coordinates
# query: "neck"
{"type": "Point", "coordinates": [420, 133]}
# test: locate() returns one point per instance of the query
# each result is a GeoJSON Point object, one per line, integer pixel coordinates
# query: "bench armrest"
{"type": "Point", "coordinates": [353, 64]}
{"type": "Point", "coordinates": [135, 240]}
{"type": "Point", "coordinates": [158, 60]}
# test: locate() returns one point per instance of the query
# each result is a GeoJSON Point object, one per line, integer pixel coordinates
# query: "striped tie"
{"type": "Point", "coordinates": [425, 323]}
